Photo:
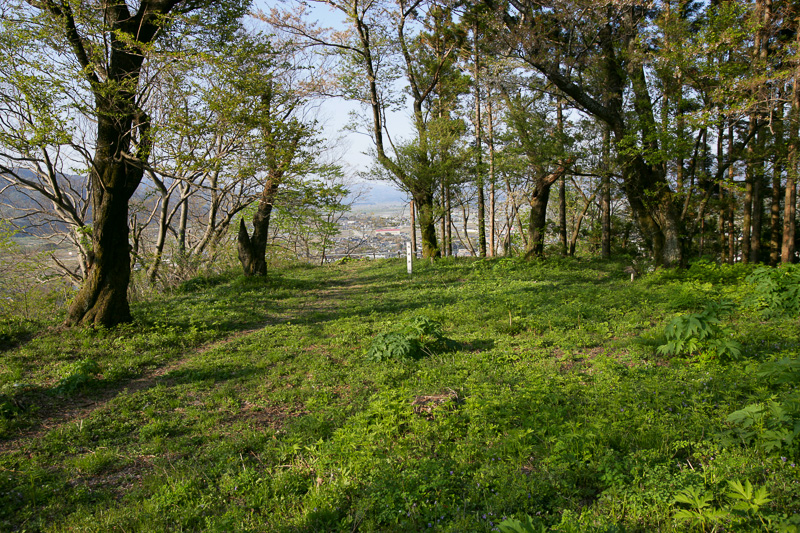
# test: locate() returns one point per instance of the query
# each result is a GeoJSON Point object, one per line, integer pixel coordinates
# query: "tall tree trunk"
{"type": "Point", "coordinates": [775, 200]}
{"type": "Point", "coordinates": [412, 210]}
{"type": "Point", "coordinates": [492, 199]}
{"type": "Point", "coordinates": [161, 237]}
{"type": "Point", "coordinates": [757, 209]}
{"type": "Point", "coordinates": [479, 181]}
{"type": "Point", "coordinates": [103, 298]}
{"type": "Point", "coordinates": [562, 187]}
{"type": "Point", "coordinates": [723, 196]}
{"type": "Point", "coordinates": [605, 198]}
{"type": "Point", "coordinates": [253, 248]}
{"type": "Point", "coordinates": [747, 206]}
{"type": "Point", "coordinates": [443, 220]}
{"type": "Point", "coordinates": [183, 219]}
{"type": "Point", "coordinates": [763, 11]}
{"type": "Point", "coordinates": [449, 215]}
{"type": "Point", "coordinates": [731, 206]}
{"type": "Point", "coordinates": [538, 215]}
{"type": "Point", "coordinates": [793, 170]}
{"type": "Point", "coordinates": [537, 222]}
{"type": "Point", "coordinates": [510, 211]}
{"type": "Point", "coordinates": [648, 191]}
{"type": "Point", "coordinates": [117, 170]}
{"type": "Point", "coordinates": [789, 216]}
{"type": "Point", "coordinates": [427, 225]}
{"type": "Point", "coordinates": [573, 241]}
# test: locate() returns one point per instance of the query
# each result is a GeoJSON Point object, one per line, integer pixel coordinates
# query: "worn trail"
{"type": "Point", "coordinates": [55, 413]}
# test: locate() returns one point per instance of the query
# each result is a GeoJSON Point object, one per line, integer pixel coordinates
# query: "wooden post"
{"type": "Point", "coordinates": [409, 259]}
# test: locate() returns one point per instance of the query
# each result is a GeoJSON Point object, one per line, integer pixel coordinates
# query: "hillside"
{"type": "Point", "coordinates": [533, 396]}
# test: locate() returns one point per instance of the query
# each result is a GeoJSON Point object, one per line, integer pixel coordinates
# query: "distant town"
{"type": "Point", "coordinates": [382, 231]}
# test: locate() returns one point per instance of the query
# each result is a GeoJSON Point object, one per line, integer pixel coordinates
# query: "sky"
{"type": "Point", "coordinates": [334, 115]}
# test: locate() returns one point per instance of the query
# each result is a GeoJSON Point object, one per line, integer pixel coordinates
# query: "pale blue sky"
{"type": "Point", "coordinates": [334, 114]}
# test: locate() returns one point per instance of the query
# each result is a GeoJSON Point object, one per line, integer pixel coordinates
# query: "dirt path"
{"type": "Point", "coordinates": [55, 413]}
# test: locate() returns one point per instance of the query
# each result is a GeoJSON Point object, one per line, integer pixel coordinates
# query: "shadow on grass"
{"type": "Point", "coordinates": [217, 374]}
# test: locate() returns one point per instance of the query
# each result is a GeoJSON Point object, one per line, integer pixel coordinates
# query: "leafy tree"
{"type": "Point", "coordinates": [44, 160]}
{"type": "Point", "coordinates": [309, 211]}
{"type": "Point", "coordinates": [102, 49]}
{"type": "Point", "coordinates": [383, 44]}
{"type": "Point", "coordinates": [546, 158]}
{"type": "Point", "coordinates": [597, 82]}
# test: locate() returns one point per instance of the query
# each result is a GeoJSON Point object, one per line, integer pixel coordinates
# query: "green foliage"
{"type": "Point", "coordinates": [710, 271]}
{"type": "Point", "coordinates": [767, 425]}
{"type": "Point", "coordinates": [701, 332]}
{"type": "Point", "coordinates": [10, 405]}
{"type": "Point", "coordinates": [393, 345]}
{"type": "Point", "coordinates": [78, 376]}
{"type": "Point", "coordinates": [308, 213]}
{"type": "Point", "coordinates": [247, 405]}
{"type": "Point", "coordinates": [415, 338]}
{"type": "Point", "coordinates": [700, 511]}
{"type": "Point", "coordinates": [512, 525]}
{"type": "Point", "coordinates": [742, 509]}
{"type": "Point", "coordinates": [200, 283]}
{"type": "Point", "coordinates": [772, 425]}
{"type": "Point", "coordinates": [775, 291]}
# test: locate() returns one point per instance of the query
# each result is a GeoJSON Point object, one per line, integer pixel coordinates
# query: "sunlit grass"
{"type": "Point", "coordinates": [241, 405]}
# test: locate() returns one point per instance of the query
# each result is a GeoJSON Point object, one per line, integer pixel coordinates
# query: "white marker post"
{"type": "Point", "coordinates": [409, 262]}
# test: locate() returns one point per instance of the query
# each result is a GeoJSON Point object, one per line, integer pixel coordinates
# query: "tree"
{"type": "Point", "coordinates": [546, 158]}
{"type": "Point", "coordinates": [109, 44]}
{"type": "Point", "coordinates": [597, 81]}
{"type": "Point", "coordinates": [383, 45]}
{"type": "Point", "coordinates": [44, 160]}
{"type": "Point", "coordinates": [309, 211]}
{"type": "Point", "coordinates": [280, 140]}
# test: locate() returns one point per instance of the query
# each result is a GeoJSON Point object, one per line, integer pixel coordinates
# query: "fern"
{"type": "Point", "coordinates": [775, 291]}
{"type": "Point", "coordinates": [414, 339]}
{"type": "Point", "coordinates": [704, 331]}
{"type": "Point", "coordinates": [386, 346]}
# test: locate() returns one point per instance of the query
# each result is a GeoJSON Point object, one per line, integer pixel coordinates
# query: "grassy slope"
{"type": "Point", "coordinates": [239, 405]}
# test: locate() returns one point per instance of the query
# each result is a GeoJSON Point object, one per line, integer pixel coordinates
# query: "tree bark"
{"type": "Point", "coordinates": [449, 215]}
{"type": "Point", "coordinates": [790, 196]}
{"type": "Point", "coordinates": [605, 199]}
{"type": "Point", "coordinates": [537, 222]}
{"type": "Point", "coordinates": [103, 298]}
{"type": "Point", "coordinates": [479, 182]}
{"type": "Point", "coordinates": [443, 220]}
{"type": "Point", "coordinates": [427, 224]}
{"type": "Point", "coordinates": [562, 188]}
{"type": "Point", "coordinates": [747, 205]}
{"type": "Point", "coordinates": [116, 170]}
{"type": "Point", "coordinates": [252, 249]}
{"type": "Point", "coordinates": [775, 200]}
{"type": "Point", "coordinates": [413, 212]}
{"type": "Point", "coordinates": [538, 215]}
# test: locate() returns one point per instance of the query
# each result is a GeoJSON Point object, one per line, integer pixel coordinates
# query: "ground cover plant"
{"type": "Point", "coordinates": [538, 399]}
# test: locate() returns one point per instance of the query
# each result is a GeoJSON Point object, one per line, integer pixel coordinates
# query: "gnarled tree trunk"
{"type": "Point", "coordinates": [252, 248]}
{"type": "Point", "coordinates": [427, 224]}
{"type": "Point", "coordinates": [103, 297]}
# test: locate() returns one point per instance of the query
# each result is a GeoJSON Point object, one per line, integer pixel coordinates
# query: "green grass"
{"type": "Point", "coordinates": [241, 405]}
